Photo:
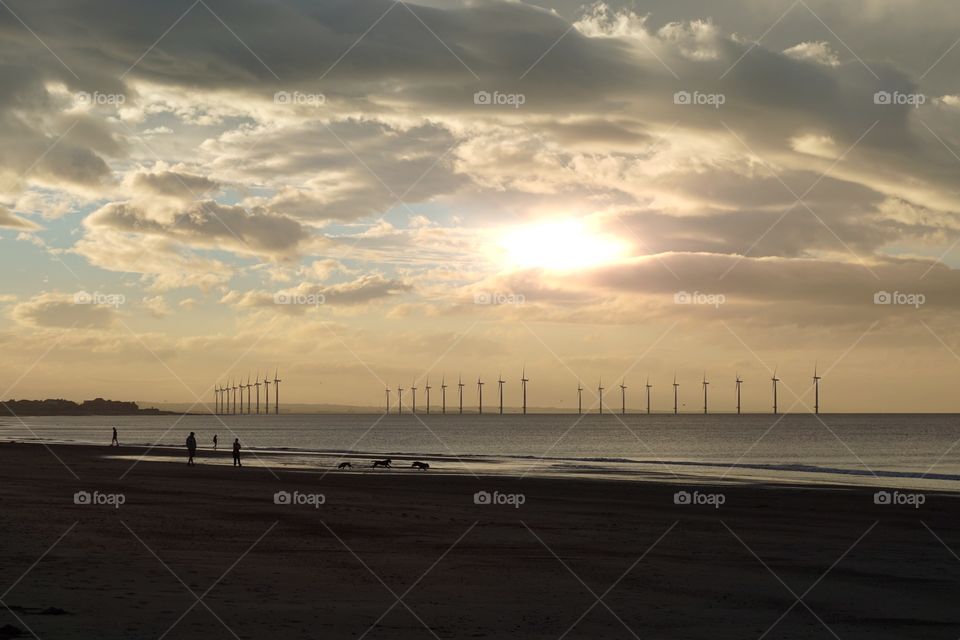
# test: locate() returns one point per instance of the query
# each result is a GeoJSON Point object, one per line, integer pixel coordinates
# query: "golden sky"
{"type": "Point", "coordinates": [365, 193]}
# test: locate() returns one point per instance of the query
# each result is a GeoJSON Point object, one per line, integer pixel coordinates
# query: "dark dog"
{"type": "Point", "coordinates": [382, 463]}
{"type": "Point", "coordinates": [423, 466]}
{"type": "Point", "coordinates": [344, 465]}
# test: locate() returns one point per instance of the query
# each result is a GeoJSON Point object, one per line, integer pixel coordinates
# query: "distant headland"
{"type": "Point", "coordinates": [61, 407]}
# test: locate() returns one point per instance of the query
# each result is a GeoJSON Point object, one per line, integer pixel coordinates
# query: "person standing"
{"type": "Point", "coordinates": [236, 452]}
{"type": "Point", "coordinates": [191, 448]}
{"type": "Point", "coordinates": [115, 442]}
{"type": "Point", "coordinates": [214, 442]}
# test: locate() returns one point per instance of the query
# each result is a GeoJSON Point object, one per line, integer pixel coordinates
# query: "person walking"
{"type": "Point", "coordinates": [236, 452]}
{"type": "Point", "coordinates": [191, 448]}
{"type": "Point", "coordinates": [115, 442]}
{"type": "Point", "coordinates": [214, 442]}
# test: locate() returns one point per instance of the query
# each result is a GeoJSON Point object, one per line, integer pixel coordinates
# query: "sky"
{"type": "Point", "coordinates": [373, 193]}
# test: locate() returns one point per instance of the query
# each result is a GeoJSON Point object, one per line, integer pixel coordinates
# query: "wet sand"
{"type": "Point", "coordinates": [206, 552]}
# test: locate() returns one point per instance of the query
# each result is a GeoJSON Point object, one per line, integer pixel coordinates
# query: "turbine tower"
{"type": "Point", "coordinates": [500, 382]}
{"type": "Point", "coordinates": [579, 398]}
{"type": "Point", "coordinates": [649, 386]}
{"type": "Point", "coordinates": [443, 395]}
{"type": "Point", "coordinates": [775, 380]}
{"type": "Point", "coordinates": [266, 384]}
{"type": "Point", "coordinates": [234, 410]}
{"type": "Point", "coordinates": [257, 385]}
{"type": "Point", "coordinates": [600, 389]}
{"type": "Point", "coordinates": [413, 406]}
{"type": "Point", "coordinates": [216, 399]}
{"type": "Point", "coordinates": [524, 380]}
{"type": "Point", "coordinates": [623, 398]}
{"type": "Point", "coordinates": [399, 400]}
{"type": "Point", "coordinates": [739, 382]}
{"type": "Point", "coordinates": [386, 391]}
{"type": "Point", "coordinates": [428, 395]}
{"type": "Point", "coordinates": [480, 384]}
{"type": "Point", "coordinates": [705, 383]}
{"type": "Point", "coordinates": [816, 390]}
{"type": "Point", "coordinates": [276, 392]}
{"type": "Point", "coordinates": [249, 386]}
{"type": "Point", "coordinates": [676, 386]}
{"type": "Point", "coordinates": [460, 384]}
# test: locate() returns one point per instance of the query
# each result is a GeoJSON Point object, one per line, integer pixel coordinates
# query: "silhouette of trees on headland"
{"type": "Point", "coordinates": [61, 407]}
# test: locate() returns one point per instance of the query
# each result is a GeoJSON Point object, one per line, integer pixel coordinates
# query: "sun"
{"type": "Point", "coordinates": [560, 245]}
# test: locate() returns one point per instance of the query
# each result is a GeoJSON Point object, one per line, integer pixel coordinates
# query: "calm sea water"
{"type": "Point", "coordinates": [909, 451]}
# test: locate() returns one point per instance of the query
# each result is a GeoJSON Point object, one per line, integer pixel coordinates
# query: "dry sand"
{"type": "Point", "coordinates": [204, 552]}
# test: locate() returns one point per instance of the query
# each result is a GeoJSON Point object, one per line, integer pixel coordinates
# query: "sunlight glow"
{"type": "Point", "coordinates": [560, 245]}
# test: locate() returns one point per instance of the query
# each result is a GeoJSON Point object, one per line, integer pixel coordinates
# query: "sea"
{"type": "Point", "coordinates": [916, 452]}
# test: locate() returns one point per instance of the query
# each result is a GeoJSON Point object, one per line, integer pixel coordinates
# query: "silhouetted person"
{"type": "Point", "coordinates": [214, 442]}
{"type": "Point", "coordinates": [115, 442]}
{"type": "Point", "coordinates": [236, 452]}
{"type": "Point", "coordinates": [191, 447]}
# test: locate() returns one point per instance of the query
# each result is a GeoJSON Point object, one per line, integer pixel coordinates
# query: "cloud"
{"type": "Point", "coordinates": [55, 310]}
{"type": "Point", "coordinates": [818, 52]}
{"type": "Point", "coordinates": [8, 219]}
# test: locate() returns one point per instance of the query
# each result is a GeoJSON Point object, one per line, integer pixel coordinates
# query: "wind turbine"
{"type": "Point", "coordinates": [428, 395]}
{"type": "Point", "coordinates": [500, 382]}
{"type": "Point", "coordinates": [266, 384]}
{"type": "Point", "coordinates": [399, 400]}
{"type": "Point", "coordinates": [460, 384]}
{"type": "Point", "coordinates": [240, 392]}
{"type": "Point", "coordinates": [739, 382]}
{"type": "Point", "coordinates": [234, 410]}
{"type": "Point", "coordinates": [816, 390]}
{"type": "Point", "coordinates": [623, 398]}
{"type": "Point", "coordinates": [649, 386]}
{"type": "Point", "coordinates": [257, 385]}
{"type": "Point", "coordinates": [705, 383]}
{"type": "Point", "coordinates": [579, 398]}
{"type": "Point", "coordinates": [443, 395]}
{"type": "Point", "coordinates": [249, 386]}
{"type": "Point", "coordinates": [676, 386]}
{"type": "Point", "coordinates": [413, 388]}
{"type": "Point", "coordinates": [480, 384]}
{"type": "Point", "coordinates": [524, 380]}
{"type": "Point", "coordinates": [386, 390]}
{"type": "Point", "coordinates": [276, 392]}
{"type": "Point", "coordinates": [775, 380]}
{"type": "Point", "coordinates": [600, 389]}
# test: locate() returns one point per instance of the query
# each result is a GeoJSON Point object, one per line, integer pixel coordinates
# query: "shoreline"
{"type": "Point", "coordinates": [598, 469]}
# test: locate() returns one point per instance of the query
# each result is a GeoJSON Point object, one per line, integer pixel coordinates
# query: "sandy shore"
{"type": "Point", "coordinates": [205, 552]}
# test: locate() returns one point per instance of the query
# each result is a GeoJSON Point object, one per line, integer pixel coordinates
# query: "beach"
{"type": "Point", "coordinates": [158, 549]}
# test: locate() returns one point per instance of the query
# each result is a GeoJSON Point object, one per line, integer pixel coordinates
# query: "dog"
{"type": "Point", "coordinates": [423, 466]}
{"type": "Point", "coordinates": [382, 463]}
{"type": "Point", "coordinates": [344, 465]}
